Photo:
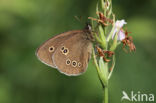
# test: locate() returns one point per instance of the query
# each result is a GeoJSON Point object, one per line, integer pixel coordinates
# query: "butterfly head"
{"type": "Point", "coordinates": [88, 27]}
{"type": "Point", "coordinates": [88, 31]}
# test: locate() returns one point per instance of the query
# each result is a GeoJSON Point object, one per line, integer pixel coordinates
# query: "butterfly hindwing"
{"type": "Point", "coordinates": [72, 56]}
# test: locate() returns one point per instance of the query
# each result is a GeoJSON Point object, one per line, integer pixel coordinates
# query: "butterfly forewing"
{"type": "Point", "coordinates": [48, 48]}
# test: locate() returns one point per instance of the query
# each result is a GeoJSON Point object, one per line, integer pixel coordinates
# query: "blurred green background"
{"type": "Point", "coordinates": [25, 24]}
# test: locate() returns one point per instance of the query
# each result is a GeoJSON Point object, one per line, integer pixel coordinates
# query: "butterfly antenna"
{"type": "Point", "coordinates": [78, 18]}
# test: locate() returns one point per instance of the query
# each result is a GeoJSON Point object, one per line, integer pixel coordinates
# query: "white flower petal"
{"type": "Point", "coordinates": [118, 25]}
{"type": "Point", "coordinates": [121, 35]}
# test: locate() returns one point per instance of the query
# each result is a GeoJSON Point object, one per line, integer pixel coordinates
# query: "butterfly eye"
{"type": "Point", "coordinates": [65, 51]}
{"type": "Point", "coordinates": [79, 64]}
{"type": "Point", "coordinates": [68, 61]}
{"type": "Point", "coordinates": [51, 49]}
{"type": "Point", "coordinates": [74, 63]}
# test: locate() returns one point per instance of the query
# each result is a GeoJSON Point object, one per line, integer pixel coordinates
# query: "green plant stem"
{"type": "Point", "coordinates": [106, 84]}
{"type": "Point", "coordinates": [103, 77]}
{"type": "Point", "coordinates": [105, 94]}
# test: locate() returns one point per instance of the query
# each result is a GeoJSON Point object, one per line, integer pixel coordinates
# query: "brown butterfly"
{"type": "Point", "coordinates": [69, 52]}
